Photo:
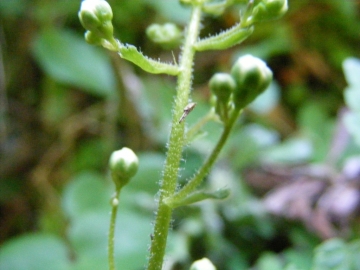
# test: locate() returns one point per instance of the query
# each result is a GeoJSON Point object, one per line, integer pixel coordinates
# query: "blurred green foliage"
{"type": "Point", "coordinates": [65, 106]}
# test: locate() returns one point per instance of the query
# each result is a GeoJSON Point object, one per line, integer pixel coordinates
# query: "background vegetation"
{"type": "Point", "coordinates": [291, 163]}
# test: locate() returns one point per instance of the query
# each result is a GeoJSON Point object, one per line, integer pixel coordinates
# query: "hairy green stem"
{"type": "Point", "coordinates": [111, 239]}
{"type": "Point", "coordinates": [204, 170]}
{"type": "Point", "coordinates": [176, 142]}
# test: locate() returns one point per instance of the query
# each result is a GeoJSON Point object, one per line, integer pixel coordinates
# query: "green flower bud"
{"type": "Point", "coordinates": [123, 165]}
{"type": "Point", "coordinates": [203, 264]}
{"type": "Point", "coordinates": [213, 101]}
{"type": "Point", "coordinates": [167, 35]}
{"type": "Point", "coordinates": [269, 10]}
{"type": "Point", "coordinates": [93, 39]}
{"type": "Point", "coordinates": [96, 16]}
{"type": "Point", "coordinates": [252, 76]}
{"type": "Point", "coordinates": [222, 85]}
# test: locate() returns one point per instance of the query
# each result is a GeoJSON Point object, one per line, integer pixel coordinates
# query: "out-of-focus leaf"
{"type": "Point", "coordinates": [346, 8]}
{"type": "Point", "coordinates": [352, 123]}
{"type": "Point", "coordinates": [352, 97]}
{"type": "Point", "coordinates": [355, 251]}
{"type": "Point", "coordinates": [301, 259]}
{"type": "Point", "coordinates": [12, 7]}
{"type": "Point", "coordinates": [245, 145]}
{"type": "Point", "coordinates": [148, 176]}
{"type": "Point", "coordinates": [269, 261]}
{"type": "Point", "coordinates": [332, 255]}
{"type": "Point", "coordinates": [68, 59]}
{"type": "Point", "coordinates": [278, 43]}
{"type": "Point", "coordinates": [295, 150]}
{"type": "Point", "coordinates": [317, 126]}
{"type": "Point", "coordinates": [83, 158]}
{"type": "Point", "coordinates": [351, 67]}
{"type": "Point", "coordinates": [267, 100]}
{"type": "Point", "coordinates": [171, 10]}
{"type": "Point", "coordinates": [34, 252]}
{"type": "Point", "coordinates": [88, 236]}
{"type": "Point", "coordinates": [86, 192]}
{"type": "Point", "coordinates": [292, 267]}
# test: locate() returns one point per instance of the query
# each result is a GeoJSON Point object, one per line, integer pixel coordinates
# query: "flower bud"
{"type": "Point", "coordinates": [93, 39]}
{"type": "Point", "coordinates": [203, 264]}
{"type": "Point", "coordinates": [252, 76]}
{"type": "Point", "coordinates": [269, 10]}
{"type": "Point", "coordinates": [168, 35]}
{"type": "Point", "coordinates": [123, 165]}
{"type": "Point", "coordinates": [96, 16]}
{"type": "Point", "coordinates": [222, 85]}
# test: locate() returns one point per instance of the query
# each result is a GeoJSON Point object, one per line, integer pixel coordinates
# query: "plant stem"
{"type": "Point", "coordinates": [204, 170]}
{"type": "Point", "coordinates": [111, 239]}
{"type": "Point", "coordinates": [176, 142]}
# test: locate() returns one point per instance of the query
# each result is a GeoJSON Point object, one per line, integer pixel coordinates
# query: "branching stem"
{"type": "Point", "coordinates": [204, 170]}
{"type": "Point", "coordinates": [176, 142]}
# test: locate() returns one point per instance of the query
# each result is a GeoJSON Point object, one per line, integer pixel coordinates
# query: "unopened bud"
{"type": "Point", "coordinates": [222, 85]}
{"type": "Point", "coordinates": [93, 39]}
{"type": "Point", "coordinates": [96, 16]}
{"type": "Point", "coordinates": [123, 165]}
{"type": "Point", "coordinates": [203, 264]}
{"type": "Point", "coordinates": [252, 76]}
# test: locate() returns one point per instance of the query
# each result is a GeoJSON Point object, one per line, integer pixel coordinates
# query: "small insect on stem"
{"type": "Point", "coordinates": [188, 108]}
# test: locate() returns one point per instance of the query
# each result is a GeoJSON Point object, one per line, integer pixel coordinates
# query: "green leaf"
{"type": "Point", "coordinates": [171, 10]}
{"type": "Point", "coordinates": [88, 236]}
{"type": "Point", "coordinates": [332, 255]}
{"type": "Point", "coordinates": [352, 97]}
{"type": "Point", "coordinates": [351, 67]}
{"type": "Point", "coordinates": [294, 150]}
{"type": "Point", "coordinates": [86, 192]}
{"type": "Point", "coordinates": [12, 7]}
{"type": "Point", "coordinates": [225, 39]}
{"type": "Point", "coordinates": [149, 173]}
{"type": "Point", "coordinates": [70, 60]}
{"type": "Point", "coordinates": [34, 252]}
{"type": "Point", "coordinates": [269, 261]}
{"type": "Point", "coordinates": [130, 53]}
{"type": "Point", "coordinates": [352, 123]}
{"type": "Point", "coordinates": [355, 251]}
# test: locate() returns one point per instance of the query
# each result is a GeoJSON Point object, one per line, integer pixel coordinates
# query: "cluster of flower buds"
{"type": "Point", "coordinates": [95, 16]}
{"type": "Point", "coordinates": [249, 77]}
